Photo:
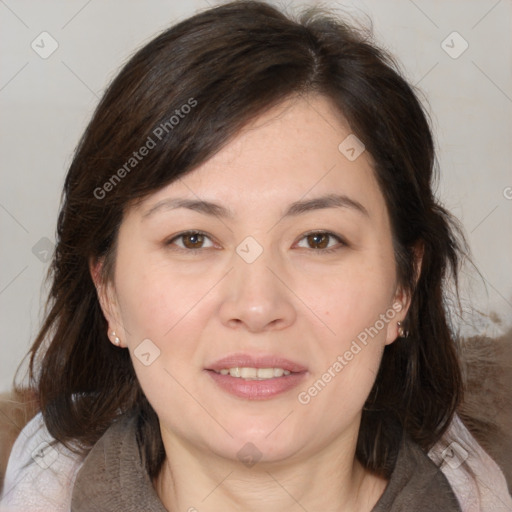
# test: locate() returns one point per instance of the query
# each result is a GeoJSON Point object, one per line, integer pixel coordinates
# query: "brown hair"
{"type": "Point", "coordinates": [230, 64]}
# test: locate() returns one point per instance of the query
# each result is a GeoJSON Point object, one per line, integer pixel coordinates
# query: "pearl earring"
{"type": "Point", "coordinates": [402, 333]}
{"type": "Point", "coordinates": [117, 341]}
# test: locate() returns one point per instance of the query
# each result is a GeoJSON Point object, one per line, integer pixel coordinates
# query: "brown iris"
{"type": "Point", "coordinates": [196, 240]}
{"type": "Point", "coordinates": [320, 240]}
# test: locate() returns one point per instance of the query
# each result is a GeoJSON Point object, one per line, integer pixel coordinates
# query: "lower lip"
{"type": "Point", "coordinates": [256, 389]}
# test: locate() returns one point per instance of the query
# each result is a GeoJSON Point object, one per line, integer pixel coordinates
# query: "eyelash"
{"type": "Point", "coordinates": [202, 233]}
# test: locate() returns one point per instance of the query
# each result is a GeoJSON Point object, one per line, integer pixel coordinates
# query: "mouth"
{"type": "Point", "coordinates": [253, 373]}
{"type": "Point", "coordinates": [256, 377]}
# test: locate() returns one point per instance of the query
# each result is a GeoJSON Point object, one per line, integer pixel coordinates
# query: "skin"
{"type": "Point", "coordinates": [295, 300]}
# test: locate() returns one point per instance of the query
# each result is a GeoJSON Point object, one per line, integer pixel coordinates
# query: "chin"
{"type": "Point", "coordinates": [261, 441]}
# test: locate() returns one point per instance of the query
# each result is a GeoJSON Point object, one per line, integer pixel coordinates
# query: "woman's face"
{"type": "Point", "coordinates": [292, 271]}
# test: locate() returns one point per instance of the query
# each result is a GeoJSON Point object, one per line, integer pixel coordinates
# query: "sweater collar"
{"type": "Point", "coordinates": [114, 478]}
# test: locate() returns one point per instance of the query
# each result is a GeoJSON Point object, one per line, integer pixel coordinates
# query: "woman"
{"type": "Point", "coordinates": [247, 301]}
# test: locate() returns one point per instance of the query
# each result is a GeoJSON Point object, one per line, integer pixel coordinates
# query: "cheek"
{"type": "Point", "coordinates": [155, 300]}
{"type": "Point", "coordinates": [352, 299]}
{"type": "Point", "coordinates": [164, 307]}
{"type": "Point", "coordinates": [346, 362]}
{"type": "Point", "coordinates": [356, 308]}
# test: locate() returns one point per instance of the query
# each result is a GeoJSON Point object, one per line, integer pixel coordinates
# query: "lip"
{"type": "Point", "coordinates": [262, 361]}
{"type": "Point", "coordinates": [256, 389]}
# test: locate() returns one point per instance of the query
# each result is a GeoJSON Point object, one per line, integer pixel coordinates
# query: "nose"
{"type": "Point", "coordinates": [256, 296]}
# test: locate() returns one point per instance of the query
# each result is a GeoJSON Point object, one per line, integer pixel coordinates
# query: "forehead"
{"type": "Point", "coordinates": [295, 150]}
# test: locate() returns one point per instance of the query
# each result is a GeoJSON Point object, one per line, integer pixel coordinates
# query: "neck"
{"type": "Point", "coordinates": [195, 480]}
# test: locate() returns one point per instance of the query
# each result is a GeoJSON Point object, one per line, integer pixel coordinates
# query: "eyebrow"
{"type": "Point", "coordinates": [294, 209]}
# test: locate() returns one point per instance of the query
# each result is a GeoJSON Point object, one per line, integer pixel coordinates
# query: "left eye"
{"type": "Point", "coordinates": [191, 240]}
{"type": "Point", "coordinates": [321, 239]}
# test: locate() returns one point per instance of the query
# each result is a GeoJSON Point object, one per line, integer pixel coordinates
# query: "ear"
{"type": "Point", "coordinates": [402, 298]}
{"type": "Point", "coordinates": [108, 301]}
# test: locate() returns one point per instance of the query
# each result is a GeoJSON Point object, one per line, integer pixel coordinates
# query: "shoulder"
{"type": "Point", "coordinates": [456, 475]}
{"type": "Point", "coordinates": [475, 478]}
{"type": "Point", "coordinates": [416, 483]}
{"type": "Point", "coordinates": [40, 473]}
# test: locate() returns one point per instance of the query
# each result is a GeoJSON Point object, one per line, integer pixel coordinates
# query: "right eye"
{"type": "Point", "coordinates": [190, 241]}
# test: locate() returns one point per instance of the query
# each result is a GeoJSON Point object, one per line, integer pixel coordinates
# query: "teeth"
{"type": "Point", "coordinates": [254, 373]}
{"type": "Point", "coordinates": [235, 372]}
{"type": "Point", "coordinates": [249, 373]}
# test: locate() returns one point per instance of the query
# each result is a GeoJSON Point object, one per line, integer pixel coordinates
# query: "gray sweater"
{"type": "Point", "coordinates": [114, 479]}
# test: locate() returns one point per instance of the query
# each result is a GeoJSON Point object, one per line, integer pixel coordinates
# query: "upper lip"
{"type": "Point", "coordinates": [256, 361]}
